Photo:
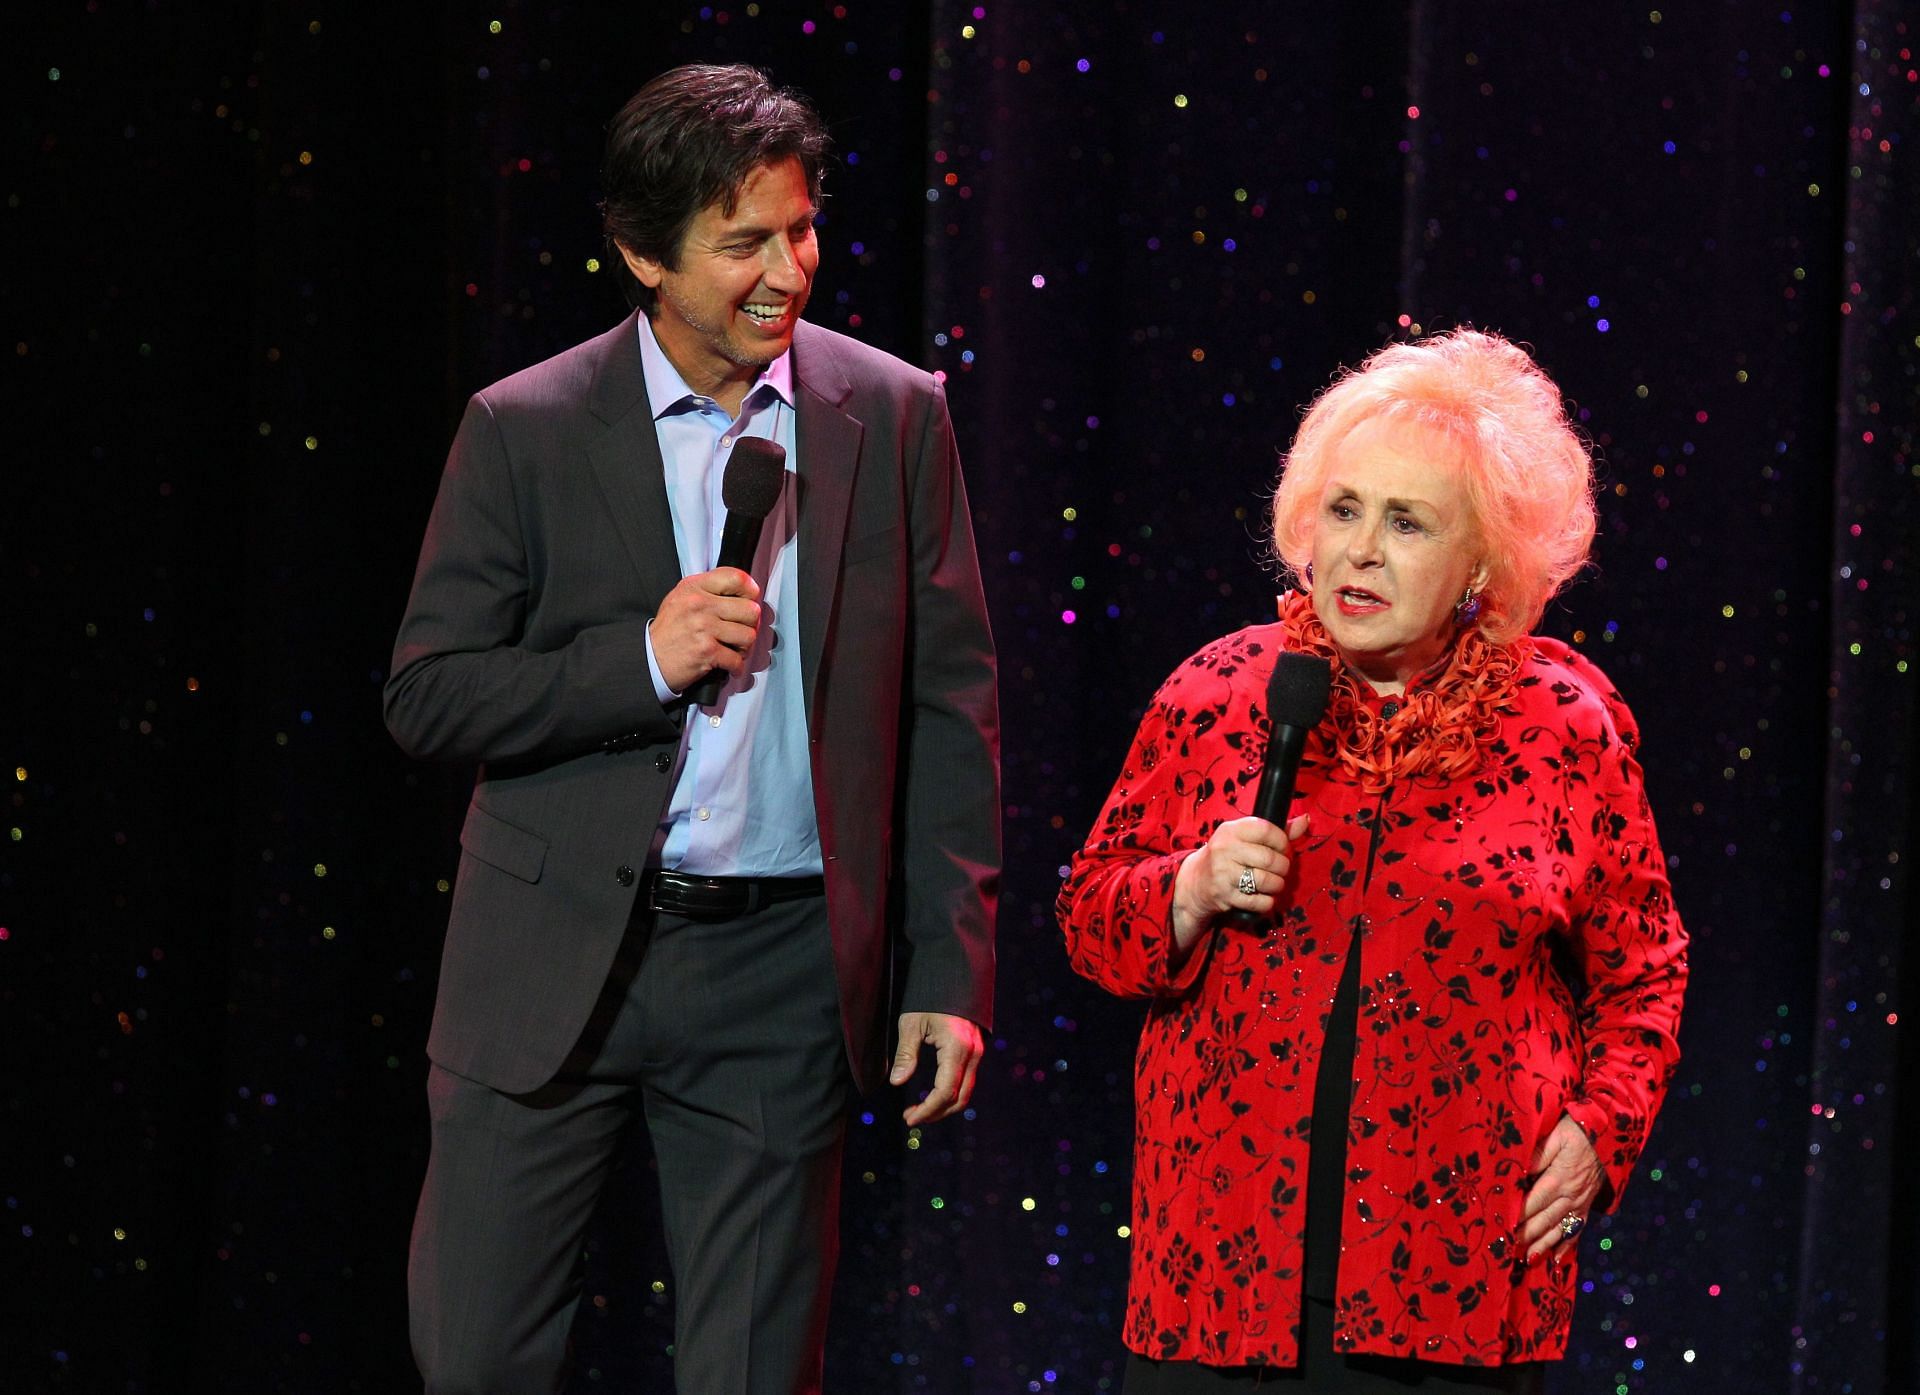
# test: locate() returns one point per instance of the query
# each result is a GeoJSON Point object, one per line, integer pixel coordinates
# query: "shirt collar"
{"type": "Point", "coordinates": [667, 391]}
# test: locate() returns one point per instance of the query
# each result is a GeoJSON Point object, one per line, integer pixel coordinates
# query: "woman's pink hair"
{"type": "Point", "coordinates": [1528, 474]}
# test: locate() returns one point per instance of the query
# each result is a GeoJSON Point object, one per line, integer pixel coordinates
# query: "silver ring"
{"type": "Point", "coordinates": [1571, 1225]}
{"type": "Point", "coordinates": [1245, 884]}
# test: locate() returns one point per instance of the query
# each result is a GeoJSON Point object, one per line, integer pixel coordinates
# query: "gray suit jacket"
{"type": "Point", "coordinates": [549, 548]}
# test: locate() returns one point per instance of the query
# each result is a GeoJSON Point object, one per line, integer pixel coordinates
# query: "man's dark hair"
{"type": "Point", "coordinates": [688, 140]}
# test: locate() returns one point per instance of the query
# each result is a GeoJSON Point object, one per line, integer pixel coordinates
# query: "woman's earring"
{"type": "Point", "coordinates": [1466, 610]}
{"type": "Point", "coordinates": [1308, 574]}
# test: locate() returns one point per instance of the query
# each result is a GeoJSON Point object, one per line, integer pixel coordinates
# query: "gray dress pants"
{"type": "Point", "coordinates": [727, 1035]}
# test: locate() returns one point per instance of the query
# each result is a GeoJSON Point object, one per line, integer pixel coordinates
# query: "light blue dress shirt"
{"type": "Point", "coordinates": [742, 803]}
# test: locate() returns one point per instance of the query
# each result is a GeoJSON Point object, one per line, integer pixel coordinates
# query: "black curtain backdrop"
{"type": "Point", "coordinates": [257, 255]}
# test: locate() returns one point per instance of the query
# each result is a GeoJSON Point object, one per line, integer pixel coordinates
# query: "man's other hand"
{"type": "Point", "coordinates": [956, 1051]}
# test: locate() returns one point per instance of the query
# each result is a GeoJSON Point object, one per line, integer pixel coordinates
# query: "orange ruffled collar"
{"type": "Point", "coordinates": [1441, 728]}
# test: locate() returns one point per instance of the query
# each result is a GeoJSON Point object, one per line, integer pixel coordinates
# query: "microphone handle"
{"type": "Point", "coordinates": [1289, 743]}
{"type": "Point", "coordinates": [739, 540]}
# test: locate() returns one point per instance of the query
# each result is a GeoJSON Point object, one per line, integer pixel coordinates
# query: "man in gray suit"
{"type": "Point", "coordinates": [696, 910]}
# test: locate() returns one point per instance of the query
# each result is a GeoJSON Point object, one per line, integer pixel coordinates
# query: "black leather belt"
{"type": "Point", "coordinates": [721, 898]}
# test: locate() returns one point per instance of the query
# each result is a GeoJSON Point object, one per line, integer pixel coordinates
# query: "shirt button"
{"type": "Point", "coordinates": [623, 874]}
{"type": "Point", "coordinates": [713, 721]}
{"type": "Point", "coordinates": [705, 814]}
{"type": "Point", "coordinates": [662, 762]}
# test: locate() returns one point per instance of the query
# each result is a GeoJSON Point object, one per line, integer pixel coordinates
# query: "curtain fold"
{"type": "Point", "coordinates": [1859, 1150]}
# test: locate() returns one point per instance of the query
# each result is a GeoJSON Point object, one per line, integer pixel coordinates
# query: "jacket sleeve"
{"type": "Point", "coordinates": [465, 684]}
{"type": "Point", "coordinates": [949, 822]}
{"type": "Point", "coordinates": [1633, 953]}
{"type": "Point", "coordinates": [1116, 906]}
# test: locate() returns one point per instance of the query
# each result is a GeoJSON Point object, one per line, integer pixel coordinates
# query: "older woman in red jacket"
{"type": "Point", "coordinates": [1372, 1127]}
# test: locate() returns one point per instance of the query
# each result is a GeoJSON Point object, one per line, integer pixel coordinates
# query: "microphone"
{"type": "Point", "coordinates": [1296, 701]}
{"type": "Point", "coordinates": [750, 488]}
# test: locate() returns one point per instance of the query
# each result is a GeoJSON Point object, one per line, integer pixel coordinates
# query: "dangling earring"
{"type": "Point", "coordinates": [1467, 609]}
{"type": "Point", "coordinates": [1308, 574]}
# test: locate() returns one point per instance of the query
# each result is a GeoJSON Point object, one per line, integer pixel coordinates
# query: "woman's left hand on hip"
{"type": "Point", "coordinates": [1567, 1180]}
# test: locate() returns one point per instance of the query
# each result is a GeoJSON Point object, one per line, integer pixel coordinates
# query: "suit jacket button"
{"type": "Point", "coordinates": [623, 874]}
{"type": "Point", "coordinates": [662, 762]}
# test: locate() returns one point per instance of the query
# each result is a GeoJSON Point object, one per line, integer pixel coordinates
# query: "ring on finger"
{"type": "Point", "coordinates": [1245, 885]}
{"type": "Point", "coordinates": [1571, 1225]}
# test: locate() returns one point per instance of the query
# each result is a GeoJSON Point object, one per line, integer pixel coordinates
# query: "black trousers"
{"type": "Point", "coordinates": [727, 1036]}
{"type": "Point", "coordinates": [1322, 1369]}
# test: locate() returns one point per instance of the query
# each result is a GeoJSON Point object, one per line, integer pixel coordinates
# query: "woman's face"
{"type": "Point", "coordinates": [1394, 550]}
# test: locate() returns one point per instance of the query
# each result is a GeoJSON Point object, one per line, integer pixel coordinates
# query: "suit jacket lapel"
{"type": "Point", "coordinates": [627, 462]}
{"type": "Point", "coordinates": [828, 440]}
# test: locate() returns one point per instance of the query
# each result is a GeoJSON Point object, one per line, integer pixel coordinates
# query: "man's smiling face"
{"type": "Point", "coordinates": [729, 309]}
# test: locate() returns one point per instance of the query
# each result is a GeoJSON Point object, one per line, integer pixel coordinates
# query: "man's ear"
{"type": "Point", "coordinates": [646, 270]}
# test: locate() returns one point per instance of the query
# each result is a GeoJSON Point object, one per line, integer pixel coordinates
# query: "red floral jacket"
{"type": "Point", "coordinates": [1520, 959]}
